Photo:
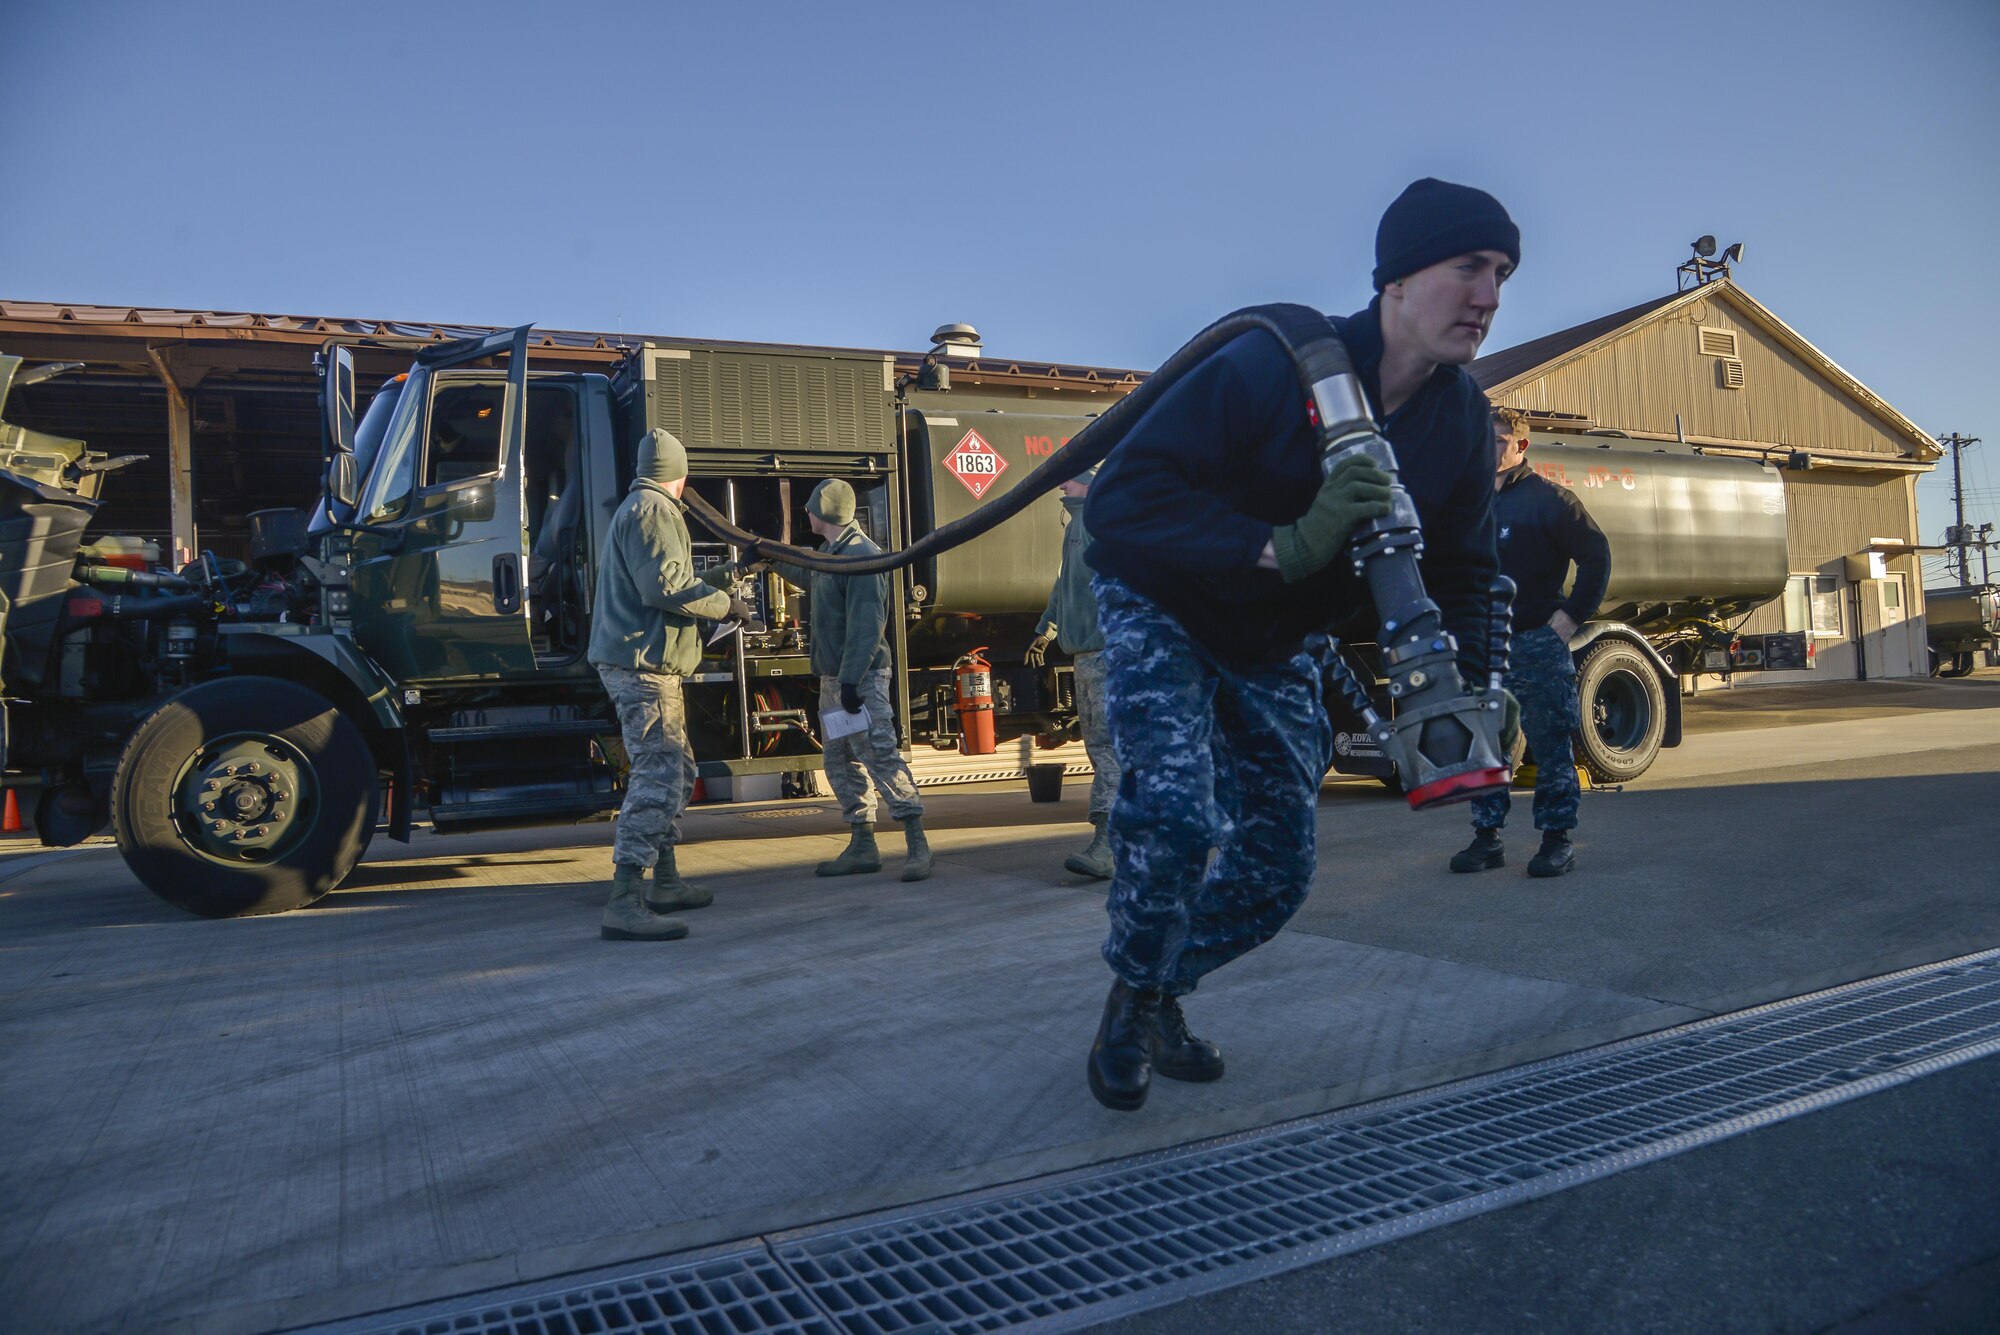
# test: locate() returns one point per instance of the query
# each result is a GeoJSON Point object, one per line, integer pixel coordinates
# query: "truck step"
{"type": "Point", "coordinates": [510, 730]}
{"type": "Point", "coordinates": [460, 817]}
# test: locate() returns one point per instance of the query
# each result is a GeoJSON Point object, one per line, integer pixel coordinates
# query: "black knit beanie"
{"type": "Point", "coordinates": [1434, 220]}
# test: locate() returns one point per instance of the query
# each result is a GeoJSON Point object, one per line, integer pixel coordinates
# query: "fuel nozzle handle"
{"type": "Point", "coordinates": [1500, 631]}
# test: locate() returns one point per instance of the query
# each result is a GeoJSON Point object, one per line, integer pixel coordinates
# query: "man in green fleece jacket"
{"type": "Point", "coordinates": [643, 640]}
{"type": "Point", "coordinates": [1071, 621]}
{"type": "Point", "coordinates": [849, 615]}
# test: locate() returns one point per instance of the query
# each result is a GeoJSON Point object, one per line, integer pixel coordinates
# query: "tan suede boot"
{"type": "Point", "coordinates": [859, 856]}
{"type": "Point", "coordinates": [626, 917]}
{"type": "Point", "coordinates": [669, 892]}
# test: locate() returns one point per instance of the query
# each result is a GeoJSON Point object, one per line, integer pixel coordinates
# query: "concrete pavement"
{"type": "Point", "coordinates": [439, 1080]}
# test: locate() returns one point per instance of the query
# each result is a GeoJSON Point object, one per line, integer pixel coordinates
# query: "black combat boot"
{"type": "Point", "coordinates": [1484, 853]}
{"type": "Point", "coordinates": [1556, 857]}
{"type": "Point", "coordinates": [1180, 1055]}
{"type": "Point", "coordinates": [1121, 1060]}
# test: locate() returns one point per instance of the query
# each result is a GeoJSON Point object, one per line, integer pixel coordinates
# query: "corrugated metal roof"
{"type": "Point", "coordinates": [190, 322]}
{"type": "Point", "coordinates": [1509, 363]}
{"type": "Point", "coordinates": [1513, 364]}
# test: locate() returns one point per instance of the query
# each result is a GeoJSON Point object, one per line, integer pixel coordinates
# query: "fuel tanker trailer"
{"type": "Point", "coordinates": [1698, 542]}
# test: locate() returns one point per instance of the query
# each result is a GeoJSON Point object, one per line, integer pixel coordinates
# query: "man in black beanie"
{"type": "Point", "coordinates": [1217, 547]}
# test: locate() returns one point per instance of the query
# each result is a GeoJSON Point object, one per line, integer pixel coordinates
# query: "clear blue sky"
{"type": "Point", "coordinates": [1084, 182]}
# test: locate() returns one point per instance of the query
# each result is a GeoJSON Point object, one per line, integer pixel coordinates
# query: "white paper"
{"type": "Point", "coordinates": [837, 723]}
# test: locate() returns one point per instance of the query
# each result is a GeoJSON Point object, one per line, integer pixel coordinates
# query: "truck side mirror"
{"type": "Point", "coordinates": [343, 479]}
{"type": "Point", "coordinates": [337, 401]}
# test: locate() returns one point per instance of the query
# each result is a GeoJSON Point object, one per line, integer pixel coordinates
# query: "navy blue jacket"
{"type": "Point", "coordinates": [1541, 529]}
{"type": "Point", "coordinates": [1184, 506]}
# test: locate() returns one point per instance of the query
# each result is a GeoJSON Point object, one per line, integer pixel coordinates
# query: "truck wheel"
{"type": "Point", "coordinates": [1624, 709]}
{"type": "Point", "coordinates": [1961, 666]}
{"type": "Point", "coordinates": [244, 796]}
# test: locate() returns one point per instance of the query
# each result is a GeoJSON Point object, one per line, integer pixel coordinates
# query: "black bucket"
{"type": "Point", "coordinates": [1045, 783]}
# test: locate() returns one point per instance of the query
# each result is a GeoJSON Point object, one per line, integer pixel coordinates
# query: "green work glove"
{"type": "Point", "coordinates": [1510, 723]}
{"type": "Point", "coordinates": [719, 577]}
{"type": "Point", "coordinates": [1038, 648]}
{"type": "Point", "coordinates": [1356, 491]}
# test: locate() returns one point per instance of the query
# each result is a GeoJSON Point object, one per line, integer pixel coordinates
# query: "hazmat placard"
{"type": "Point", "coordinates": [975, 463]}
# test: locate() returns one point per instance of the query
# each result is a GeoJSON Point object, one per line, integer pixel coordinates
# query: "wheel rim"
{"type": "Point", "coordinates": [247, 797]}
{"type": "Point", "coordinates": [1621, 710]}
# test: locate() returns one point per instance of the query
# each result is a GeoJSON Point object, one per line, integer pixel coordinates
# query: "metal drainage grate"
{"type": "Point", "coordinates": [1085, 1246]}
{"type": "Point", "coordinates": [734, 1290]}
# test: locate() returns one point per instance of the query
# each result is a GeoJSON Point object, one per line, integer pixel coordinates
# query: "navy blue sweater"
{"type": "Point", "coordinates": [1541, 529]}
{"type": "Point", "coordinates": [1184, 506]}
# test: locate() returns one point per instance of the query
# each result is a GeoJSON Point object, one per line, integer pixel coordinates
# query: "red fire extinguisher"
{"type": "Point", "coordinates": [974, 678]}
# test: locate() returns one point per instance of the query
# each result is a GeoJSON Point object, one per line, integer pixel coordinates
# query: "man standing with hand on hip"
{"type": "Point", "coordinates": [1542, 529]}
{"type": "Point", "coordinates": [850, 614]}
{"type": "Point", "coordinates": [1070, 620]}
{"type": "Point", "coordinates": [643, 640]}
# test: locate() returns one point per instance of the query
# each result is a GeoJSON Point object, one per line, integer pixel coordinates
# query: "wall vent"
{"type": "Point", "coordinates": [1732, 373]}
{"type": "Point", "coordinates": [1716, 342]}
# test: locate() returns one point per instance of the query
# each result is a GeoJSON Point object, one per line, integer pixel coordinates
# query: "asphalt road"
{"type": "Point", "coordinates": [440, 1080]}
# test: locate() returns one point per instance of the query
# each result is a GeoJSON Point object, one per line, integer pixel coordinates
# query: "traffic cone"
{"type": "Point", "coordinates": [10, 822]}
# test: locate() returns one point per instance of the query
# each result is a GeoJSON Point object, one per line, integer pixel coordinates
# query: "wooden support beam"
{"type": "Point", "coordinates": [180, 459]}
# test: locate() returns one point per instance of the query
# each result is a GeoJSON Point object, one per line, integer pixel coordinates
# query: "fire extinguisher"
{"type": "Point", "coordinates": [973, 676]}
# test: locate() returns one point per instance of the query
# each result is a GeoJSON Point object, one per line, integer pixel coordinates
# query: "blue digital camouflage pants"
{"type": "Point", "coordinates": [1214, 757]}
{"type": "Point", "coordinates": [1542, 675]}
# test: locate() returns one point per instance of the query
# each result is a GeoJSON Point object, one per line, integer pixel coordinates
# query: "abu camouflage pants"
{"type": "Point", "coordinates": [652, 719]}
{"type": "Point", "coordinates": [1214, 757]}
{"type": "Point", "coordinates": [1542, 675]}
{"type": "Point", "coordinates": [1096, 732]}
{"type": "Point", "coordinates": [853, 760]}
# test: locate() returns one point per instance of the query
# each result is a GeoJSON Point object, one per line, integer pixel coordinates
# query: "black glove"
{"type": "Point", "coordinates": [850, 698]}
{"type": "Point", "coordinates": [718, 577]}
{"type": "Point", "coordinates": [739, 611]}
{"type": "Point", "coordinates": [1356, 491]}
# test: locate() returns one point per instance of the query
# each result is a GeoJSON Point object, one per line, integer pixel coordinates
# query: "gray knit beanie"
{"type": "Point", "coordinates": [832, 502]}
{"type": "Point", "coordinates": [662, 458]}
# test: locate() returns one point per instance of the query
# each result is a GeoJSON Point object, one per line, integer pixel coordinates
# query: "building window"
{"type": "Point", "coordinates": [1798, 603]}
{"type": "Point", "coordinates": [1826, 618]}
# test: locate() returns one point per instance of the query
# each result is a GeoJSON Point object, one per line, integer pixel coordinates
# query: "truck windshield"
{"type": "Point", "coordinates": [388, 459]}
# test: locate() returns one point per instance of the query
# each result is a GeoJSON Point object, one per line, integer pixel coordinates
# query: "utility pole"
{"type": "Point", "coordinates": [1959, 536]}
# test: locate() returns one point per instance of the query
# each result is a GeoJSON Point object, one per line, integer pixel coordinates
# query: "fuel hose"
{"type": "Point", "coordinates": [1441, 732]}
{"type": "Point", "coordinates": [1304, 332]}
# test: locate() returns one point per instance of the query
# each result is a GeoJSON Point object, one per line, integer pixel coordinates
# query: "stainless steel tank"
{"type": "Point", "coordinates": [1690, 533]}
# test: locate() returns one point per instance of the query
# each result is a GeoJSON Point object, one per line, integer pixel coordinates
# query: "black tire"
{"type": "Point", "coordinates": [1623, 708]}
{"type": "Point", "coordinates": [1962, 665]}
{"type": "Point", "coordinates": [300, 791]}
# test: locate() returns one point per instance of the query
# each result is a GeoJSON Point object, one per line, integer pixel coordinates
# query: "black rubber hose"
{"type": "Point", "coordinates": [1089, 446]}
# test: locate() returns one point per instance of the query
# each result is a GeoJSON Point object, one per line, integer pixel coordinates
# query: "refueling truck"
{"type": "Point", "coordinates": [415, 642]}
{"type": "Point", "coordinates": [1960, 621]}
{"type": "Point", "coordinates": [1697, 542]}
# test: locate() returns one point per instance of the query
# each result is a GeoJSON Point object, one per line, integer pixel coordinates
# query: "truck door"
{"type": "Point", "coordinates": [440, 570]}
